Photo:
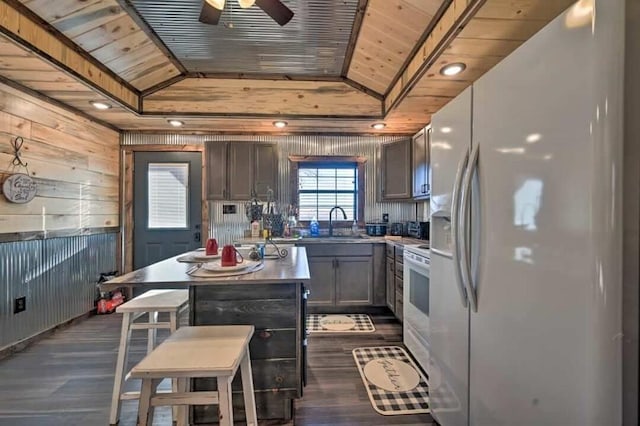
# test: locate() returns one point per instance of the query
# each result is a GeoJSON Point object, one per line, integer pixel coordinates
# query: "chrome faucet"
{"type": "Point", "coordinates": [331, 214]}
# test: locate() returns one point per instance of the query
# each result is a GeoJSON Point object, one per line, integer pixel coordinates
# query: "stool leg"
{"type": "Point", "coordinates": [121, 364]}
{"type": "Point", "coordinates": [225, 403]}
{"type": "Point", "coordinates": [182, 418]}
{"type": "Point", "coordinates": [145, 409]}
{"type": "Point", "coordinates": [173, 326]}
{"type": "Point", "coordinates": [247, 390]}
{"type": "Point", "coordinates": [151, 340]}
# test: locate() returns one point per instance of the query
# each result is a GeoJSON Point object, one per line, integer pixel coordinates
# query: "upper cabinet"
{"type": "Point", "coordinates": [395, 176]}
{"type": "Point", "coordinates": [421, 164]}
{"type": "Point", "coordinates": [239, 170]}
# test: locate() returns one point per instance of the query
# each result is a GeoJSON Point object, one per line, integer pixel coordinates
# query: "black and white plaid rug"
{"type": "Point", "coordinates": [395, 385]}
{"type": "Point", "coordinates": [339, 323]}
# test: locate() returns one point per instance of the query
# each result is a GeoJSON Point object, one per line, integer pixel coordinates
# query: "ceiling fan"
{"type": "Point", "coordinates": [212, 9]}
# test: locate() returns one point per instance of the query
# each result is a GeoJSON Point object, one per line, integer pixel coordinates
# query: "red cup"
{"type": "Point", "coordinates": [230, 256]}
{"type": "Point", "coordinates": [211, 247]}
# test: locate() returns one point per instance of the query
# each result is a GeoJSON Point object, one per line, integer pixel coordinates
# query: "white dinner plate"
{"type": "Point", "coordinates": [205, 257]}
{"type": "Point", "coordinates": [215, 266]}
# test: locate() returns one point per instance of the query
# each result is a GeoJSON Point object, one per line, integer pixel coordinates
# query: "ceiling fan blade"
{"type": "Point", "coordinates": [278, 11]}
{"type": "Point", "coordinates": [209, 14]}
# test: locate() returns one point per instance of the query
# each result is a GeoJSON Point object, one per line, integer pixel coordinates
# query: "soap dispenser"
{"type": "Point", "coordinates": [314, 227]}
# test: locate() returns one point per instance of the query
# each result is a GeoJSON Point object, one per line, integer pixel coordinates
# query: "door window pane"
{"type": "Point", "coordinates": [168, 195]}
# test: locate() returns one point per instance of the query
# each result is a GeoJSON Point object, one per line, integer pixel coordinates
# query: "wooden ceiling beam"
{"type": "Point", "coordinates": [355, 32]}
{"type": "Point", "coordinates": [29, 31]}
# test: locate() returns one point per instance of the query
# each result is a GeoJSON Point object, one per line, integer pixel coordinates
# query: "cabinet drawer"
{"type": "Point", "coordinates": [272, 343]}
{"type": "Point", "coordinates": [390, 250]}
{"type": "Point", "coordinates": [399, 254]}
{"type": "Point", "coordinates": [267, 375]}
{"type": "Point", "coordinates": [337, 250]}
{"type": "Point", "coordinates": [263, 313]}
{"type": "Point", "coordinates": [399, 305]}
{"type": "Point", "coordinates": [399, 270]}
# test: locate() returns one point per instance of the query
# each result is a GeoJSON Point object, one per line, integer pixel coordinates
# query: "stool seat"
{"type": "Point", "coordinates": [198, 352]}
{"type": "Point", "coordinates": [151, 303]}
{"type": "Point", "coordinates": [202, 351]}
{"type": "Point", "coordinates": [156, 301]}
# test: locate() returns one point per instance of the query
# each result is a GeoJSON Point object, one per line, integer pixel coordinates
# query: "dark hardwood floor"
{"type": "Point", "coordinates": [66, 379]}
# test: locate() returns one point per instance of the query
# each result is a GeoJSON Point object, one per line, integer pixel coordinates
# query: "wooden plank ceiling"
{"type": "Point", "coordinates": [392, 56]}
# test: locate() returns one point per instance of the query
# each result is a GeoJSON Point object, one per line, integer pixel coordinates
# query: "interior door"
{"type": "Point", "coordinates": [167, 204]}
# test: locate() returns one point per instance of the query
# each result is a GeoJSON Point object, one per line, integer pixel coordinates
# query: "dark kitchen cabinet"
{"type": "Point", "coordinates": [395, 176]}
{"type": "Point", "coordinates": [391, 285]}
{"type": "Point", "coordinates": [354, 280]}
{"type": "Point", "coordinates": [216, 170]}
{"type": "Point", "coordinates": [237, 170]}
{"type": "Point", "coordinates": [395, 279]}
{"type": "Point", "coordinates": [342, 275]}
{"type": "Point", "coordinates": [322, 287]}
{"type": "Point", "coordinates": [421, 164]}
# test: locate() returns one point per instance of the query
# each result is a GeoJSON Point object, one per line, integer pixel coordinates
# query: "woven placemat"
{"type": "Point", "coordinates": [342, 323]}
{"type": "Point", "coordinates": [394, 383]}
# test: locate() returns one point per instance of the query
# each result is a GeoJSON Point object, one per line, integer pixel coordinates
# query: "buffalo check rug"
{"type": "Point", "coordinates": [347, 323]}
{"type": "Point", "coordinates": [394, 383]}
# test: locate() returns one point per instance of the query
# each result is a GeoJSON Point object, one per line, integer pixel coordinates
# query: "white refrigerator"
{"type": "Point", "coordinates": [526, 237]}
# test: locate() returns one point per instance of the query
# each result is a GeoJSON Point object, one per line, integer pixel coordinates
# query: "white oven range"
{"type": "Point", "coordinates": [416, 302]}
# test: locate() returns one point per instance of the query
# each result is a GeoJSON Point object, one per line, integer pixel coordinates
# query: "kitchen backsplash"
{"type": "Point", "coordinates": [227, 227]}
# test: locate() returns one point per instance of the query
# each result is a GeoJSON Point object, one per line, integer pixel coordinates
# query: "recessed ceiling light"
{"type": "Point", "coordinates": [245, 4]}
{"type": "Point", "coordinates": [446, 130]}
{"type": "Point", "coordinates": [280, 124]}
{"type": "Point", "coordinates": [176, 123]}
{"type": "Point", "coordinates": [100, 105]}
{"type": "Point", "coordinates": [453, 69]}
{"type": "Point", "coordinates": [378, 126]}
{"type": "Point", "coordinates": [533, 137]}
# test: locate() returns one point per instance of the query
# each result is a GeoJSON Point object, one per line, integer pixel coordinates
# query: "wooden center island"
{"type": "Point", "coordinates": [272, 299]}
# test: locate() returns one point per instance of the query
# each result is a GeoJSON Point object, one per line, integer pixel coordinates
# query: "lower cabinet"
{"type": "Point", "coordinates": [342, 275]}
{"type": "Point", "coordinates": [322, 285]}
{"type": "Point", "coordinates": [354, 280]}
{"type": "Point", "coordinates": [277, 347]}
{"type": "Point", "coordinates": [391, 285]}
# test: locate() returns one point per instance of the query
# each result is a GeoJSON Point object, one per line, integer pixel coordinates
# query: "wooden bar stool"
{"type": "Point", "coordinates": [152, 303]}
{"type": "Point", "coordinates": [198, 352]}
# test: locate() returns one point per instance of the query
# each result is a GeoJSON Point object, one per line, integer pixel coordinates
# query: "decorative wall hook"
{"type": "Point", "coordinates": [17, 146]}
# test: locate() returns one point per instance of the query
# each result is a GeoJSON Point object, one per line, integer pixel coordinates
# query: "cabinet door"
{"type": "Point", "coordinates": [240, 170]}
{"type": "Point", "coordinates": [391, 285]}
{"type": "Point", "coordinates": [354, 280]}
{"type": "Point", "coordinates": [266, 169]}
{"type": "Point", "coordinates": [419, 147]}
{"type": "Point", "coordinates": [322, 284]}
{"type": "Point", "coordinates": [399, 297]}
{"type": "Point", "coordinates": [396, 170]}
{"type": "Point", "coordinates": [216, 155]}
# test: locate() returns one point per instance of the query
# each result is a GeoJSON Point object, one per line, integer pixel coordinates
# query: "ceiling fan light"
{"type": "Point", "coordinates": [245, 4]}
{"type": "Point", "coordinates": [218, 4]}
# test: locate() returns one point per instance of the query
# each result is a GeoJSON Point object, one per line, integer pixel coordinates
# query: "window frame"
{"type": "Point", "coordinates": [294, 165]}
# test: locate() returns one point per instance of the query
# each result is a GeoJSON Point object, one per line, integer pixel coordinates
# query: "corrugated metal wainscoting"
{"type": "Point", "coordinates": [57, 276]}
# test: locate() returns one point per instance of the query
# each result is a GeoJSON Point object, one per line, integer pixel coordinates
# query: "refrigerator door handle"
{"type": "Point", "coordinates": [465, 202]}
{"type": "Point", "coordinates": [455, 206]}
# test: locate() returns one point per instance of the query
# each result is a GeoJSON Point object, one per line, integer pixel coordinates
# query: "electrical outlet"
{"type": "Point", "coordinates": [20, 304]}
{"type": "Point", "coordinates": [229, 209]}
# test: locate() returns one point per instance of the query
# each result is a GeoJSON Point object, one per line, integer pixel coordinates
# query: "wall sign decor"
{"type": "Point", "coordinates": [19, 187]}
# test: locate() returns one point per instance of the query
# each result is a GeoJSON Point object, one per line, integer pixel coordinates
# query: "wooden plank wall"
{"type": "Point", "coordinates": [74, 161]}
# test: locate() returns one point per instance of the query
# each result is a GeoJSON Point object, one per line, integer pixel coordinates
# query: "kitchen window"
{"type": "Point", "coordinates": [321, 183]}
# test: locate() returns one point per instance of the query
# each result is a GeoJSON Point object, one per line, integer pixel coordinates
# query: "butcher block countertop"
{"type": "Point", "coordinates": [170, 273]}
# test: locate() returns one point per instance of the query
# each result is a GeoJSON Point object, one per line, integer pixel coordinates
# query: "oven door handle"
{"type": "Point", "coordinates": [465, 236]}
{"type": "Point", "coordinates": [455, 216]}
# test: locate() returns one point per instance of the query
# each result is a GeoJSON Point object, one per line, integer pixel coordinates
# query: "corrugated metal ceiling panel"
{"type": "Point", "coordinates": [248, 41]}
